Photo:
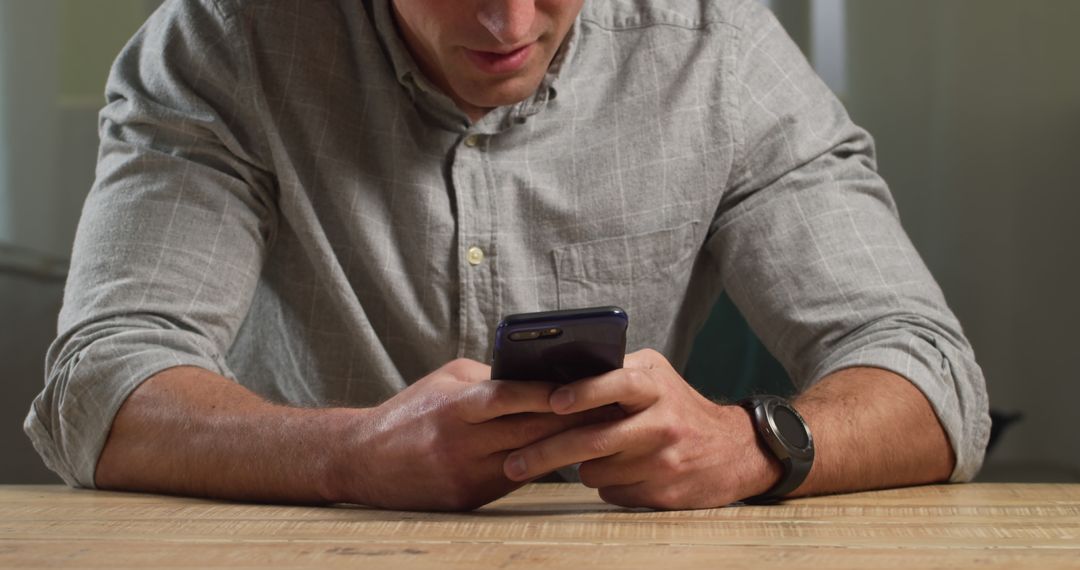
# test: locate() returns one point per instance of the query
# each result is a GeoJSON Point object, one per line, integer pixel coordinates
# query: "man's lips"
{"type": "Point", "coordinates": [498, 63]}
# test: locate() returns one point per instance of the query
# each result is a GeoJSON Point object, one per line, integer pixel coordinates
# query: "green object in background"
{"type": "Point", "coordinates": [91, 35]}
{"type": "Point", "coordinates": [728, 362]}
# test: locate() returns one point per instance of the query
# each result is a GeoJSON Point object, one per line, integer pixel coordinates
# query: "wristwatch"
{"type": "Point", "coordinates": [787, 436]}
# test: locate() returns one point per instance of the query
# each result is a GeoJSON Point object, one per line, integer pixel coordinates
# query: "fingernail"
{"type": "Point", "coordinates": [515, 466]}
{"type": "Point", "coordinates": [561, 399]}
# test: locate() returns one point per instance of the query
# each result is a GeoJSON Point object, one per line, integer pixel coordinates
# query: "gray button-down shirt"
{"type": "Point", "coordinates": [283, 198]}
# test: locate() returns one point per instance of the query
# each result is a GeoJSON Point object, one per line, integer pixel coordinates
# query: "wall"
{"type": "Point", "coordinates": [27, 56]}
{"type": "Point", "coordinates": [976, 108]}
{"type": "Point", "coordinates": [54, 59]}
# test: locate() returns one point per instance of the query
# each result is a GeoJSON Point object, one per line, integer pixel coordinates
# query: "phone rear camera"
{"type": "Point", "coordinates": [525, 335]}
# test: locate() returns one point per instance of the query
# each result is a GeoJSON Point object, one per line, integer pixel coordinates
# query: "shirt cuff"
{"type": "Point", "coordinates": [947, 375]}
{"type": "Point", "coordinates": [70, 420]}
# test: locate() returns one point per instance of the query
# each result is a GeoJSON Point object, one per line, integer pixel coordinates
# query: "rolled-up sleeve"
{"type": "Point", "coordinates": [812, 252]}
{"type": "Point", "coordinates": [172, 235]}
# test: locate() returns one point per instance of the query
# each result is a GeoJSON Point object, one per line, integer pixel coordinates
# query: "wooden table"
{"type": "Point", "coordinates": [550, 526]}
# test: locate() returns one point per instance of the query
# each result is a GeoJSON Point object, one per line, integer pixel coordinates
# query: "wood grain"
{"type": "Point", "coordinates": [550, 526]}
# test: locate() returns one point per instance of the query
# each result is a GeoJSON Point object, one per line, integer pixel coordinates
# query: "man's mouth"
{"type": "Point", "coordinates": [496, 63]}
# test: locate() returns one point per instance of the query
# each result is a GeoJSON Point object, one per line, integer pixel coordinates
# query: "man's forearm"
{"type": "Point", "coordinates": [440, 444]}
{"type": "Point", "coordinates": [188, 431]}
{"type": "Point", "coordinates": [872, 429]}
{"type": "Point", "coordinates": [675, 449]}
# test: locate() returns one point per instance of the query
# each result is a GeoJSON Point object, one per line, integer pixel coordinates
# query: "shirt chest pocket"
{"type": "Point", "coordinates": [645, 274]}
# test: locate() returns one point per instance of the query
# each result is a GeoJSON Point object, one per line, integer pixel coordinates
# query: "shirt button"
{"type": "Point", "coordinates": [472, 141]}
{"type": "Point", "coordinates": [476, 255]}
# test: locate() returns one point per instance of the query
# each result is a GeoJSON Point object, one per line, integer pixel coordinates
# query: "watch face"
{"type": "Point", "coordinates": [790, 427]}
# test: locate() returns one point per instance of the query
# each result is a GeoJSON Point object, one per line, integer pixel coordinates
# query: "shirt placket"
{"type": "Point", "coordinates": [476, 247]}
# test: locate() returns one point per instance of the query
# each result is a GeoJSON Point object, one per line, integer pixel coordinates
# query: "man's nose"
{"type": "Point", "coordinates": [510, 21]}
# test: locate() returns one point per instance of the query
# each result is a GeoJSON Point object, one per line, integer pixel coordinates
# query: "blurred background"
{"type": "Point", "coordinates": [975, 105]}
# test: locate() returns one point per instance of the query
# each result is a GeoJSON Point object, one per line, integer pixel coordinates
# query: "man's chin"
{"type": "Point", "coordinates": [509, 92]}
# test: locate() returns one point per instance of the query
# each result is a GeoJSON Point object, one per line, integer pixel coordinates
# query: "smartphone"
{"type": "Point", "coordinates": [560, 346]}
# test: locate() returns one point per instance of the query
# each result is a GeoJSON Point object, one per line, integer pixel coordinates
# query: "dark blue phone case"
{"type": "Point", "coordinates": [589, 342]}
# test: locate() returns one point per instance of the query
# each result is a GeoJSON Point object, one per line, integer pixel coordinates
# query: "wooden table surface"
{"type": "Point", "coordinates": [550, 526]}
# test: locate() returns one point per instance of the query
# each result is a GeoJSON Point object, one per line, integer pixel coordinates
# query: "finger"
{"type": "Point", "coordinates": [634, 389]}
{"type": "Point", "coordinates": [486, 401]}
{"type": "Point", "coordinates": [615, 470]}
{"type": "Point", "coordinates": [632, 495]}
{"type": "Point", "coordinates": [467, 370]}
{"type": "Point", "coordinates": [646, 359]}
{"type": "Point", "coordinates": [660, 495]}
{"type": "Point", "coordinates": [509, 433]}
{"type": "Point", "coordinates": [576, 445]}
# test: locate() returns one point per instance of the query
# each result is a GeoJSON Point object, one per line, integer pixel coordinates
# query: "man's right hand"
{"type": "Point", "coordinates": [440, 444]}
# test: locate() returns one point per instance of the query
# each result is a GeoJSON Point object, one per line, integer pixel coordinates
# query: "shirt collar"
{"type": "Point", "coordinates": [423, 91]}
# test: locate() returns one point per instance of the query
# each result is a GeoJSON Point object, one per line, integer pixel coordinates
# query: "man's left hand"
{"type": "Point", "coordinates": [675, 449]}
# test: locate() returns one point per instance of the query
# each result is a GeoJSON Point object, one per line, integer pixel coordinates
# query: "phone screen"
{"type": "Point", "coordinates": [560, 346]}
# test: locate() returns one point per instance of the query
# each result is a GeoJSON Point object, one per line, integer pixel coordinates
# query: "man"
{"type": "Point", "coordinates": [309, 217]}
